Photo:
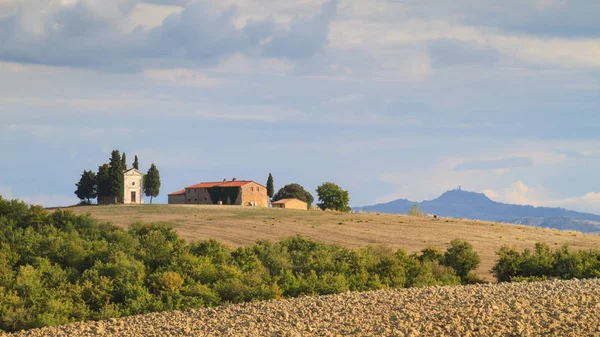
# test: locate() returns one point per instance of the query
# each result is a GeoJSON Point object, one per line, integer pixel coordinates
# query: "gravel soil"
{"type": "Point", "coordinates": [553, 308]}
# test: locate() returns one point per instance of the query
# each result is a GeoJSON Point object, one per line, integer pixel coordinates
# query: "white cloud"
{"type": "Point", "coordinates": [106, 34]}
{"type": "Point", "coordinates": [346, 100]}
{"type": "Point", "coordinates": [47, 200]}
{"type": "Point", "coordinates": [186, 77]}
{"type": "Point", "coordinates": [490, 194]}
{"type": "Point", "coordinates": [264, 117]}
{"type": "Point", "coordinates": [547, 158]}
{"type": "Point", "coordinates": [590, 202]}
{"type": "Point", "coordinates": [150, 15]}
{"type": "Point", "coordinates": [521, 194]}
{"type": "Point", "coordinates": [498, 173]}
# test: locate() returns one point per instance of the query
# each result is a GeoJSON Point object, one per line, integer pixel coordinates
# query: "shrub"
{"type": "Point", "coordinates": [415, 210]}
{"type": "Point", "coordinates": [543, 263]}
{"type": "Point", "coordinates": [60, 268]}
{"type": "Point", "coordinates": [462, 258]}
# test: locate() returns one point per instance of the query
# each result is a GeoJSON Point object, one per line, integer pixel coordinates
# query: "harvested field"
{"type": "Point", "coordinates": [239, 226]}
{"type": "Point", "coordinates": [553, 308]}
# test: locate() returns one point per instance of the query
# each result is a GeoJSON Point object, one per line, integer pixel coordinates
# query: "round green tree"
{"type": "Point", "coordinates": [86, 187]}
{"type": "Point", "coordinates": [333, 197]}
{"type": "Point", "coordinates": [462, 258]}
{"type": "Point", "coordinates": [292, 191]}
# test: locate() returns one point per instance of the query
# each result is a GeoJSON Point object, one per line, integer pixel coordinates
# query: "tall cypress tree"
{"type": "Point", "coordinates": [124, 161]}
{"type": "Point", "coordinates": [116, 176]}
{"type": "Point", "coordinates": [152, 182]}
{"type": "Point", "coordinates": [136, 164]}
{"type": "Point", "coordinates": [270, 186]}
{"type": "Point", "coordinates": [103, 182]}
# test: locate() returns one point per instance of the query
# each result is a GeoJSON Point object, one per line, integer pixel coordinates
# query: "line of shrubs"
{"type": "Point", "coordinates": [542, 264]}
{"type": "Point", "coordinates": [57, 268]}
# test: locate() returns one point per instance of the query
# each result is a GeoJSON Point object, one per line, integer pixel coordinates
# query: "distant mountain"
{"type": "Point", "coordinates": [477, 206]}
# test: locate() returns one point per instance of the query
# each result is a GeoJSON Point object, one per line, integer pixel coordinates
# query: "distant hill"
{"type": "Point", "coordinates": [471, 205]}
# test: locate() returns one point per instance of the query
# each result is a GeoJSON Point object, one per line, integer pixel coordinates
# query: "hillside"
{"type": "Point", "coordinates": [470, 205]}
{"type": "Point", "coordinates": [517, 309]}
{"type": "Point", "coordinates": [240, 226]}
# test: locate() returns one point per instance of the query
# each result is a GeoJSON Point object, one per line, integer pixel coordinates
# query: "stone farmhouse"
{"type": "Point", "coordinates": [290, 204]}
{"type": "Point", "coordinates": [132, 189]}
{"type": "Point", "coordinates": [234, 192]}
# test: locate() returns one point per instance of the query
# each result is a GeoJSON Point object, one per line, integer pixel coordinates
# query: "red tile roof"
{"type": "Point", "coordinates": [178, 192]}
{"type": "Point", "coordinates": [237, 183]}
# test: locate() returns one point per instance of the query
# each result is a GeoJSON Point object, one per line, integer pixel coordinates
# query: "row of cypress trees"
{"type": "Point", "coordinates": [108, 181]}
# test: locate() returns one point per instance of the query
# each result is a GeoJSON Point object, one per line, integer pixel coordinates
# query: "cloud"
{"type": "Point", "coordinates": [452, 52]}
{"type": "Point", "coordinates": [494, 164]}
{"type": "Point", "coordinates": [305, 36]}
{"type": "Point", "coordinates": [574, 18]}
{"type": "Point", "coordinates": [186, 77]}
{"type": "Point", "coordinates": [149, 15]}
{"type": "Point", "coordinates": [101, 34]}
{"type": "Point", "coordinates": [521, 194]}
{"type": "Point", "coordinates": [48, 200]}
{"type": "Point", "coordinates": [490, 194]}
{"type": "Point", "coordinates": [180, 3]}
{"type": "Point", "coordinates": [45, 200]}
{"type": "Point", "coordinates": [590, 202]}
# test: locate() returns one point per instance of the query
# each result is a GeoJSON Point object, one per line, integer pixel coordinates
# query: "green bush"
{"type": "Point", "coordinates": [461, 257]}
{"type": "Point", "coordinates": [59, 268]}
{"type": "Point", "coordinates": [543, 263]}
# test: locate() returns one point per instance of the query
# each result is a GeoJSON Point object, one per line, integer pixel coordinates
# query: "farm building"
{"type": "Point", "coordinates": [234, 192]}
{"type": "Point", "coordinates": [132, 189]}
{"type": "Point", "coordinates": [290, 204]}
{"type": "Point", "coordinates": [177, 197]}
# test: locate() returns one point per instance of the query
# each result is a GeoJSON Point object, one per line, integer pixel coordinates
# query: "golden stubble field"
{"type": "Point", "coordinates": [239, 226]}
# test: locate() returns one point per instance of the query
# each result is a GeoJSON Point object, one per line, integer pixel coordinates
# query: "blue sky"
{"type": "Point", "coordinates": [389, 99]}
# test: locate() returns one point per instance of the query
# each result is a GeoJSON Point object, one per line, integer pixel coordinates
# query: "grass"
{"type": "Point", "coordinates": [239, 226]}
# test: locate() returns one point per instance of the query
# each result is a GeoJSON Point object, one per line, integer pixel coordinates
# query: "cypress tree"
{"type": "Point", "coordinates": [152, 182]}
{"type": "Point", "coordinates": [270, 186]}
{"type": "Point", "coordinates": [136, 164]}
{"type": "Point", "coordinates": [86, 187]}
{"type": "Point", "coordinates": [116, 176]}
{"type": "Point", "coordinates": [124, 161]}
{"type": "Point", "coordinates": [103, 182]}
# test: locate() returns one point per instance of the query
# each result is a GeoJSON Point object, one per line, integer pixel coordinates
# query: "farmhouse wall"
{"type": "Point", "coordinates": [177, 199]}
{"type": "Point", "coordinates": [291, 204]}
{"type": "Point", "coordinates": [199, 196]}
{"type": "Point", "coordinates": [254, 193]}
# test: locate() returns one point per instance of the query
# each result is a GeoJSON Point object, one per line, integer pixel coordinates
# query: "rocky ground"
{"type": "Point", "coordinates": [554, 308]}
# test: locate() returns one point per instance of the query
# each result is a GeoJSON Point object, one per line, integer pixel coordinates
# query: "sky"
{"type": "Point", "coordinates": [387, 98]}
